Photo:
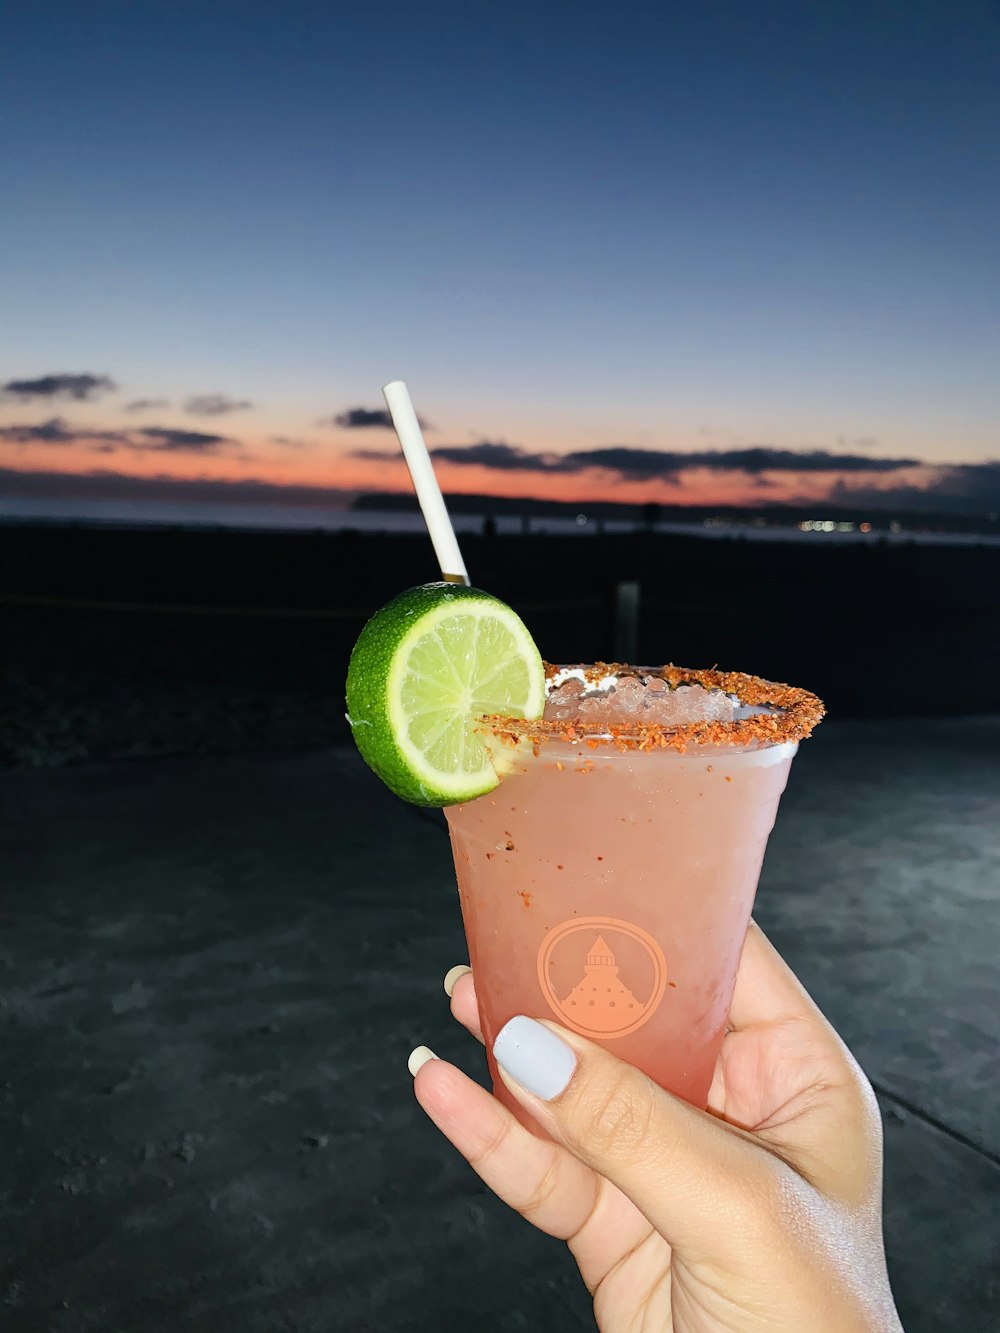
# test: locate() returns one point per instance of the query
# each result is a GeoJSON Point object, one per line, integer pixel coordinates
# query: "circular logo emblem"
{"type": "Point", "coordinates": [601, 977]}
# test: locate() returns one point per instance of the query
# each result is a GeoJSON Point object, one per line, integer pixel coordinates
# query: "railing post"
{"type": "Point", "coordinates": [626, 621]}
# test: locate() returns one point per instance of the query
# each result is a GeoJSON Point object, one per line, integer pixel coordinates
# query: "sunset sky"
{"type": "Point", "coordinates": [706, 253]}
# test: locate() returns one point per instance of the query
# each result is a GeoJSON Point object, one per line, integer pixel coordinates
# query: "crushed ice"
{"type": "Point", "coordinates": [646, 699]}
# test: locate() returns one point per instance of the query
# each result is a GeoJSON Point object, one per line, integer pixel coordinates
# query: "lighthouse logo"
{"type": "Point", "coordinates": [602, 977]}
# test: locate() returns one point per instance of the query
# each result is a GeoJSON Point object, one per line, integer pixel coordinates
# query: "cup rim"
{"type": "Point", "coordinates": [796, 713]}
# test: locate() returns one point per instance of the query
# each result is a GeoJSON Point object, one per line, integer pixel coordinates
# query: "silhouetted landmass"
{"type": "Point", "coordinates": [783, 515]}
{"type": "Point", "coordinates": [125, 641]}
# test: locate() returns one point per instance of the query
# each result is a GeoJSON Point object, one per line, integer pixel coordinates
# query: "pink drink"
{"type": "Point", "coordinates": [607, 883]}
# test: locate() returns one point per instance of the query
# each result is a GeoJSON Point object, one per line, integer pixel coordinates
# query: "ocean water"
{"type": "Point", "coordinates": [300, 518]}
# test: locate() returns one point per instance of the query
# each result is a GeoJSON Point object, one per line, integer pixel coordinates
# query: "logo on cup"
{"type": "Point", "coordinates": [601, 977]}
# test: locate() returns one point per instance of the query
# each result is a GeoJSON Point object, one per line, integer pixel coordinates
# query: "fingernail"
{"type": "Point", "coordinates": [451, 978]}
{"type": "Point", "coordinates": [418, 1058]}
{"type": "Point", "coordinates": [535, 1057]}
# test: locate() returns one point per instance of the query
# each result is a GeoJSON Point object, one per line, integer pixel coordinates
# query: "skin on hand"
{"type": "Point", "coordinates": [762, 1214]}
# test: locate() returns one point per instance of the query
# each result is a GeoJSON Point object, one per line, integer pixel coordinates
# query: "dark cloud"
{"type": "Point", "coordinates": [150, 439]}
{"type": "Point", "coordinates": [78, 387]}
{"type": "Point", "coordinates": [648, 464]}
{"type": "Point", "coordinates": [57, 431]}
{"type": "Point", "coordinates": [364, 418]}
{"type": "Point", "coordinates": [164, 439]}
{"type": "Point", "coordinates": [500, 457]}
{"type": "Point", "coordinates": [146, 404]}
{"type": "Point", "coordinates": [214, 405]}
{"type": "Point", "coordinates": [765, 458]}
{"type": "Point", "coordinates": [360, 418]}
{"type": "Point", "coordinates": [961, 488]}
{"type": "Point", "coordinates": [633, 464]}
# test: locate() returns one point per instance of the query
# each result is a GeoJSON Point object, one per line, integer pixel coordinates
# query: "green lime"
{"type": "Point", "coordinates": [424, 669]}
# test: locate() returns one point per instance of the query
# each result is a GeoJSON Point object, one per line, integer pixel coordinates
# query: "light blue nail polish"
{"type": "Point", "coordinates": [535, 1057]}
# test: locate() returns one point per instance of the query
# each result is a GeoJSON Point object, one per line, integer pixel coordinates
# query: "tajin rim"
{"type": "Point", "coordinates": [798, 712]}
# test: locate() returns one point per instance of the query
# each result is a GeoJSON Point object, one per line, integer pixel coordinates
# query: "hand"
{"type": "Point", "coordinates": [763, 1213]}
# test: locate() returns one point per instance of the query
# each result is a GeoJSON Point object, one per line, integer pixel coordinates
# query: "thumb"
{"type": "Point", "coordinates": [699, 1181]}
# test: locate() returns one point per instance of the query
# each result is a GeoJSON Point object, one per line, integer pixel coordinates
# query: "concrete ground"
{"type": "Point", "coordinates": [212, 970]}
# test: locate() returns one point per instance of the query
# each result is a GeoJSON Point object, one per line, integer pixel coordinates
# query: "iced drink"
{"type": "Point", "coordinates": [608, 881]}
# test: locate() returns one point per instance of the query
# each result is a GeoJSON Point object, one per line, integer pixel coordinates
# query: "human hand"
{"type": "Point", "coordinates": [762, 1214]}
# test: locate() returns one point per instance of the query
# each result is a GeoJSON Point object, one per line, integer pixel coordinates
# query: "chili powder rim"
{"type": "Point", "coordinates": [799, 711]}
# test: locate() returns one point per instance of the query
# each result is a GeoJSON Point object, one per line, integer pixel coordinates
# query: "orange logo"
{"type": "Point", "coordinates": [601, 977]}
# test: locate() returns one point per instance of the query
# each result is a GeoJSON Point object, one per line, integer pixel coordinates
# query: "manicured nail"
{"type": "Point", "coordinates": [451, 978]}
{"type": "Point", "coordinates": [538, 1059]}
{"type": "Point", "coordinates": [418, 1058]}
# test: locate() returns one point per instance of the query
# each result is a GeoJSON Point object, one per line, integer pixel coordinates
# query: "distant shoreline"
{"type": "Point", "coordinates": [404, 520]}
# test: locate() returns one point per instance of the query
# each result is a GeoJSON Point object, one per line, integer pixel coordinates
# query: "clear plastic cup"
{"type": "Point", "coordinates": [607, 883]}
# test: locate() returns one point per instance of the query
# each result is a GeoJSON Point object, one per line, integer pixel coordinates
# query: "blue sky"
{"type": "Point", "coordinates": [705, 228]}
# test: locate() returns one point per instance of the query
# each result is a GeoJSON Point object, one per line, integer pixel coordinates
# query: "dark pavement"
{"type": "Point", "coordinates": [213, 970]}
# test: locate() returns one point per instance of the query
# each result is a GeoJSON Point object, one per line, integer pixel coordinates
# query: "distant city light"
{"type": "Point", "coordinates": [828, 525]}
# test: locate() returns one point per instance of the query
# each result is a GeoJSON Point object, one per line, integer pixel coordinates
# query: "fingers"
{"type": "Point", "coordinates": [536, 1177]}
{"type": "Point", "coordinates": [784, 1075]}
{"type": "Point", "coordinates": [796, 1087]}
{"type": "Point", "coordinates": [814, 1103]}
{"type": "Point", "coordinates": [694, 1178]}
{"type": "Point", "coordinates": [460, 988]}
{"type": "Point", "coordinates": [766, 987]}
{"type": "Point", "coordinates": [453, 976]}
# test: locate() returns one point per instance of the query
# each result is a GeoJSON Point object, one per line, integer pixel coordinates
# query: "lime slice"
{"type": "Point", "coordinates": [425, 669]}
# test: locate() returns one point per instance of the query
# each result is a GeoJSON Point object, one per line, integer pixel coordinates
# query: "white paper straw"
{"type": "Point", "coordinates": [418, 460]}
